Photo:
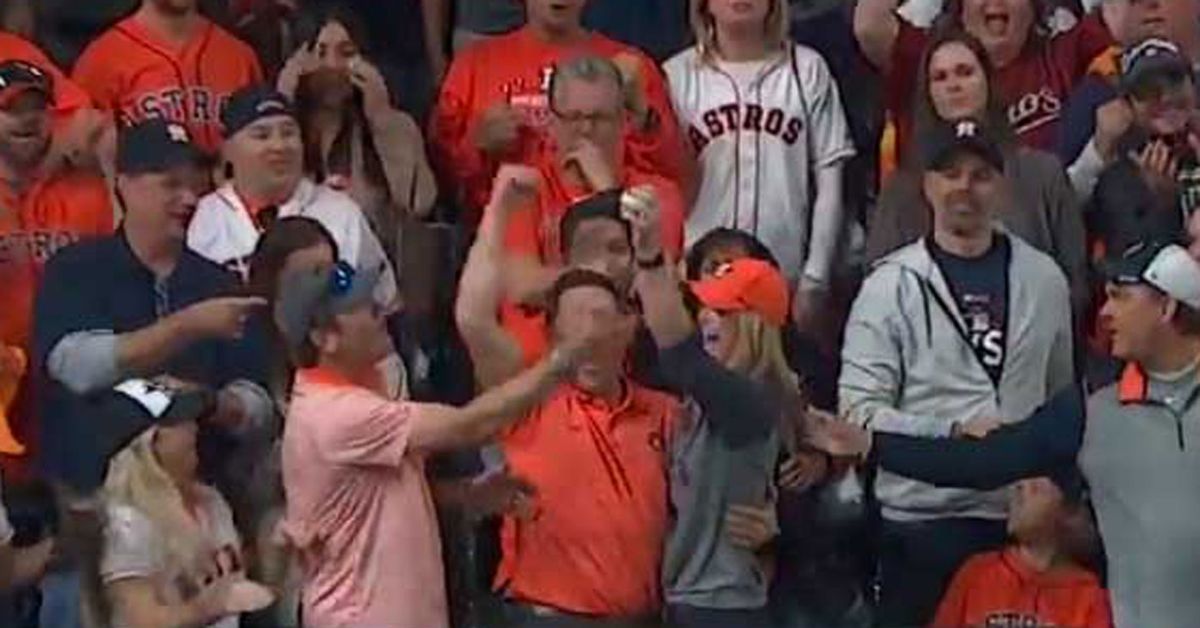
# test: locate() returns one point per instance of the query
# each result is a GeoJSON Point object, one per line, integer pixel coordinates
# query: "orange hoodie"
{"type": "Point", "coordinates": [1001, 590]}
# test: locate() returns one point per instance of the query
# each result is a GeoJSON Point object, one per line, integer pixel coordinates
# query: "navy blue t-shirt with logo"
{"type": "Point", "coordinates": [980, 289]}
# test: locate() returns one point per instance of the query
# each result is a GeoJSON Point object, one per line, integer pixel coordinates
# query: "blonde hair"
{"type": "Point", "coordinates": [704, 26]}
{"type": "Point", "coordinates": [136, 479]}
{"type": "Point", "coordinates": [758, 354]}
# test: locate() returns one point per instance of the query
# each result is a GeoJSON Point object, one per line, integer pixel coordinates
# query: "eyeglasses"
{"type": "Point", "coordinates": [578, 118]}
{"type": "Point", "coordinates": [17, 73]}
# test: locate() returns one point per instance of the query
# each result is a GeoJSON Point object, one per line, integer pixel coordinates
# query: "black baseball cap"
{"type": "Point", "coordinates": [153, 146]}
{"type": "Point", "coordinates": [313, 297]}
{"type": "Point", "coordinates": [21, 77]}
{"type": "Point", "coordinates": [251, 104]}
{"type": "Point", "coordinates": [135, 405]}
{"type": "Point", "coordinates": [600, 205]}
{"type": "Point", "coordinates": [944, 140]}
{"type": "Point", "coordinates": [1152, 59]}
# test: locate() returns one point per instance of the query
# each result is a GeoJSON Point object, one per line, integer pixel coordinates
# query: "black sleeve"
{"type": "Point", "coordinates": [1048, 438]}
{"type": "Point", "coordinates": [739, 410]}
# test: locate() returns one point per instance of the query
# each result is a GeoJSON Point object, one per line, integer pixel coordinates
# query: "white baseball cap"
{"type": "Point", "coordinates": [1165, 266]}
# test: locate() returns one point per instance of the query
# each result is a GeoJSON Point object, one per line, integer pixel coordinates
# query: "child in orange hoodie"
{"type": "Point", "coordinates": [1040, 578]}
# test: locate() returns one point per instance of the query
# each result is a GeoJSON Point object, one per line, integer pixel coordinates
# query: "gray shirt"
{"type": "Point", "coordinates": [724, 453]}
{"type": "Point", "coordinates": [1141, 457]}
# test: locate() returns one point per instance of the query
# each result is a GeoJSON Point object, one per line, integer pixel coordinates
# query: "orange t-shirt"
{"type": "Point", "coordinates": [68, 97]}
{"type": "Point", "coordinates": [53, 213]}
{"type": "Point", "coordinates": [1001, 589]}
{"type": "Point", "coordinates": [594, 544]}
{"type": "Point", "coordinates": [136, 74]}
{"type": "Point", "coordinates": [534, 232]}
{"type": "Point", "coordinates": [515, 69]}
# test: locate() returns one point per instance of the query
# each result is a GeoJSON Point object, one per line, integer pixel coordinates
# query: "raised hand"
{"type": "Point", "coordinates": [303, 61]}
{"type": "Point", "coordinates": [640, 206]}
{"type": "Point", "coordinates": [498, 130]}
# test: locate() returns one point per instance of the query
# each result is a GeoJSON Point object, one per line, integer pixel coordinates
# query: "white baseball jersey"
{"type": "Point", "coordinates": [223, 231]}
{"type": "Point", "coordinates": [760, 129]}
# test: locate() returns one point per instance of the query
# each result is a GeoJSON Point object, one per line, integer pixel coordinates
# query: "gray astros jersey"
{"type": "Point", "coordinates": [760, 130]}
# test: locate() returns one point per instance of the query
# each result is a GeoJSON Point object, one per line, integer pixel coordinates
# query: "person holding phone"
{"type": "Point", "coordinates": [355, 139]}
{"type": "Point", "coordinates": [1152, 187]}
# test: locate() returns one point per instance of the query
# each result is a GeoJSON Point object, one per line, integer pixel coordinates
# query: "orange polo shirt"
{"type": "Point", "coordinates": [1001, 589]}
{"type": "Point", "coordinates": [535, 232]}
{"type": "Point", "coordinates": [594, 545]}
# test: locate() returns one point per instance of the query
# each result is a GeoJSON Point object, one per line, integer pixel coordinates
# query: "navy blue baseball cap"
{"type": "Point", "coordinates": [154, 146]}
{"type": "Point", "coordinates": [944, 140]}
{"type": "Point", "coordinates": [251, 104]}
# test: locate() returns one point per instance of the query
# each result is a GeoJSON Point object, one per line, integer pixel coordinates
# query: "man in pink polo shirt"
{"type": "Point", "coordinates": [359, 511]}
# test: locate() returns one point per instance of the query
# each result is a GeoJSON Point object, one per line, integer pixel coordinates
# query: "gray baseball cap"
{"type": "Point", "coordinates": [313, 297]}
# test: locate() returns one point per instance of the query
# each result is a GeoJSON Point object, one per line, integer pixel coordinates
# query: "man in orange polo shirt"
{"type": "Point", "coordinates": [40, 212]}
{"type": "Point", "coordinates": [594, 452]}
{"type": "Point", "coordinates": [492, 112]}
{"type": "Point", "coordinates": [587, 161]}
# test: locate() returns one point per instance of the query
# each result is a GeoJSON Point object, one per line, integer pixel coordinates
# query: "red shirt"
{"type": "Point", "coordinates": [1035, 86]}
{"type": "Point", "coordinates": [595, 542]}
{"type": "Point", "coordinates": [132, 71]}
{"type": "Point", "coordinates": [53, 213]}
{"type": "Point", "coordinates": [1001, 589]}
{"type": "Point", "coordinates": [515, 69]}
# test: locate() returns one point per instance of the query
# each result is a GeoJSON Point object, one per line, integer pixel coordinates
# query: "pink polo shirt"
{"type": "Point", "coordinates": [359, 510]}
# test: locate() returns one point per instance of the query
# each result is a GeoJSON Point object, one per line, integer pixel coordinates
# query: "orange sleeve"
{"type": "Point", "coordinates": [1100, 610]}
{"type": "Point", "coordinates": [93, 73]}
{"type": "Point", "coordinates": [661, 149]}
{"type": "Point", "coordinates": [952, 612]}
{"type": "Point", "coordinates": [459, 164]}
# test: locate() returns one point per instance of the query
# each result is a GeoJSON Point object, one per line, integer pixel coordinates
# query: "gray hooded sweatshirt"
{"type": "Point", "coordinates": [908, 367]}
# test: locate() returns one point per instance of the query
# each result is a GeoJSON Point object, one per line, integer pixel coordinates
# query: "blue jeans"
{"type": "Point", "coordinates": [61, 600]}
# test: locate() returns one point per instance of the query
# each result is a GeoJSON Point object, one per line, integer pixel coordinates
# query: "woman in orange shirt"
{"type": "Point", "coordinates": [1042, 578]}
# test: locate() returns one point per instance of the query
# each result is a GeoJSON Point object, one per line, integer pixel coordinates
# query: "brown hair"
{"type": "Point", "coordinates": [704, 27]}
{"type": "Point", "coordinates": [925, 115]}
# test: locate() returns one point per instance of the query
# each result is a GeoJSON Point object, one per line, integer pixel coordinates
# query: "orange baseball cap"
{"type": "Point", "coordinates": [746, 285]}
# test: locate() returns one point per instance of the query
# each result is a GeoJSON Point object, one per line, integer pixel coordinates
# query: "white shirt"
{"type": "Point", "coordinates": [223, 231]}
{"type": "Point", "coordinates": [761, 130]}
{"type": "Point", "coordinates": [134, 547]}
